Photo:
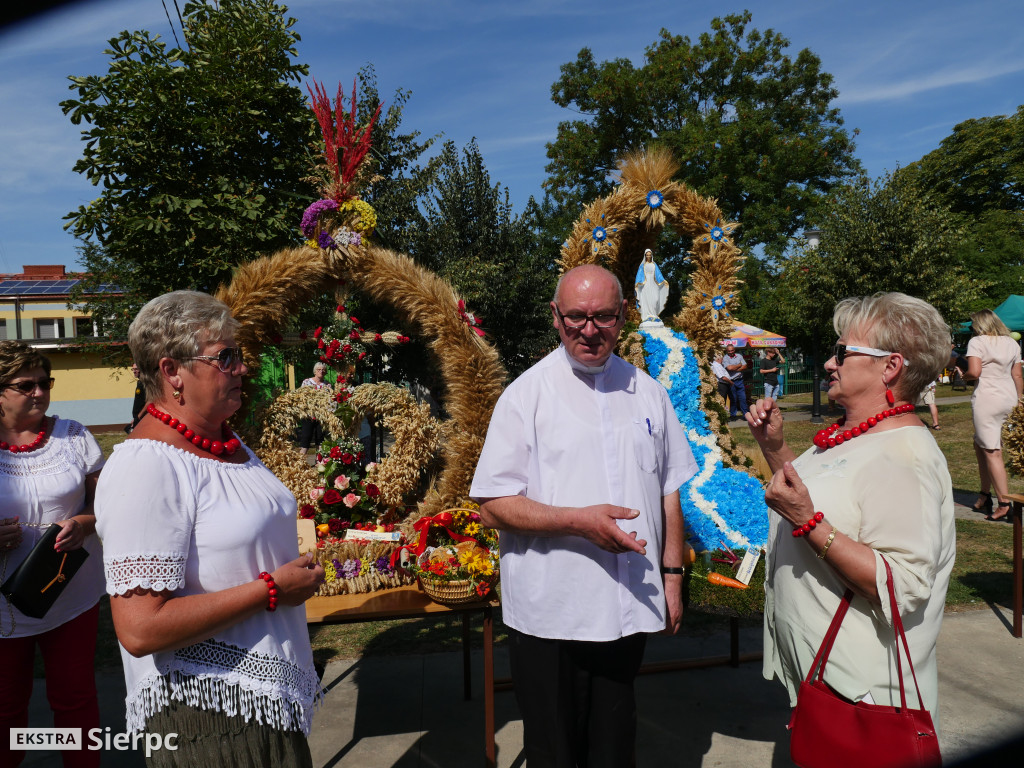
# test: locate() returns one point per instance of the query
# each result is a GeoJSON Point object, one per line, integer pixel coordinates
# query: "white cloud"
{"type": "Point", "coordinates": [911, 86]}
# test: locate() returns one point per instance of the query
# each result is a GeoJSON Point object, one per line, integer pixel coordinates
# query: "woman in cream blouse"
{"type": "Point", "coordinates": [875, 486]}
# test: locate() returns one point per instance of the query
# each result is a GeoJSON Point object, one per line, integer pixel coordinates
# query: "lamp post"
{"type": "Point", "coordinates": [813, 237]}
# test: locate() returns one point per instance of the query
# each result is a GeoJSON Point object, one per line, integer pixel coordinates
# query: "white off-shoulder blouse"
{"type": "Point", "coordinates": [176, 522]}
{"type": "Point", "coordinates": [46, 486]}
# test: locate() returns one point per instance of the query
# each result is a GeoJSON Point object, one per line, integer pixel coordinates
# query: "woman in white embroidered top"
{"type": "Point", "coordinates": [875, 486]}
{"type": "Point", "coordinates": [48, 472]}
{"type": "Point", "coordinates": [201, 557]}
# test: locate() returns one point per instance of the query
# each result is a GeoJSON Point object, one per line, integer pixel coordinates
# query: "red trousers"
{"type": "Point", "coordinates": [69, 653]}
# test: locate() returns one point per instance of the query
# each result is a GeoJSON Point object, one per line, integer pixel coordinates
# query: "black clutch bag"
{"type": "Point", "coordinates": [42, 577]}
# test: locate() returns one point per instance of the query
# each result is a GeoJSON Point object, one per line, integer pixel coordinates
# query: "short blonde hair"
{"type": "Point", "coordinates": [985, 322]}
{"type": "Point", "coordinates": [900, 323]}
{"type": "Point", "coordinates": [175, 325]}
{"type": "Point", "coordinates": [16, 357]}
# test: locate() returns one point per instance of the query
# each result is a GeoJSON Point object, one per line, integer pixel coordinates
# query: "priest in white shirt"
{"type": "Point", "coordinates": [580, 473]}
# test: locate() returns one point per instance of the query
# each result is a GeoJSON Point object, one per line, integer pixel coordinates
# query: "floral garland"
{"type": "Point", "coordinates": [455, 545]}
{"type": "Point", "coordinates": [314, 228]}
{"type": "Point", "coordinates": [727, 503]}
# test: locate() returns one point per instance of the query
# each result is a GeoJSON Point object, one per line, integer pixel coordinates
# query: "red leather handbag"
{"type": "Point", "coordinates": [829, 731]}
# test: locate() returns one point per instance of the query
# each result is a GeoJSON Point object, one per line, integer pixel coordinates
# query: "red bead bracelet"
{"type": "Point", "coordinates": [810, 525]}
{"type": "Point", "coordinates": [272, 597]}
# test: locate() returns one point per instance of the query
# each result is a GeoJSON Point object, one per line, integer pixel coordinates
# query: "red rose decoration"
{"type": "Point", "coordinates": [331, 496]}
{"type": "Point", "coordinates": [317, 332]}
{"type": "Point", "coordinates": [341, 308]}
{"type": "Point", "coordinates": [377, 337]}
{"type": "Point", "coordinates": [307, 511]}
{"type": "Point", "coordinates": [340, 379]}
{"type": "Point", "coordinates": [354, 335]}
{"type": "Point", "coordinates": [335, 452]}
{"type": "Point", "coordinates": [319, 457]}
{"type": "Point", "coordinates": [362, 355]}
{"type": "Point", "coordinates": [372, 490]}
{"type": "Point", "coordinates": [347, 348]}
{"type": "Point", "coordinates": [334, 524]}
{"type": "Point", "coordinates": [360, 455]}
{"type": "Point", "coordinates": [347, 458]}
{"type": "Point", "coordinates": [335, 344]}
{"type": "Point", "coordinates": [354, 319]}
{"type": "Point", "coordinates": [320, 344]}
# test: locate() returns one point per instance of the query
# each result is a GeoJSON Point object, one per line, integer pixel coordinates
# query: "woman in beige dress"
{"type": "Point", "coordinates": [993, 359]}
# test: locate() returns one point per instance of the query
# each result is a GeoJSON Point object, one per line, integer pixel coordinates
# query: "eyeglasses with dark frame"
{"type": "Point", "coordinates": [839, 351]}
{"type": "Point", "coordinates": [577, 320]}
{"type": "Point", "coordinates": [227, 359]}
{"type": "Point", "coordinates": [28, 386]}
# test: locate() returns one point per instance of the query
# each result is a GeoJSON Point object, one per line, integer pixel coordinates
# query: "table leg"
{"type": "Point", "coordinates": [1018, 586]}
{"type": "Point", "coordinates": [467, 669]}
{"type": "Point", "coordinates": [490, 752]}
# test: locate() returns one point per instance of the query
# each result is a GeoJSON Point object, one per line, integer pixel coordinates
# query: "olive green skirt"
{"type": "Point", "coordinates": [211, 738]}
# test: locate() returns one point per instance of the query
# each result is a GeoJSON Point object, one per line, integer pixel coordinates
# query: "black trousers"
{"type": "Point", "coordinates": [577, 700]}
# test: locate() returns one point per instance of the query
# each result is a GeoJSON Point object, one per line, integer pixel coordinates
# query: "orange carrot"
{"type": "Point", "coordinates": [725, 581]}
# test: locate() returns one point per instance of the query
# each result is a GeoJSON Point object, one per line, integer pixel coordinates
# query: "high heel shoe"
{"type": "Point", "coordinates": [986, 505]}
{"type": "Point", "coordinates": [1003, 505]}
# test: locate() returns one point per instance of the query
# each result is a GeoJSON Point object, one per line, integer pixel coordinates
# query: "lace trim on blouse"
{"type": "Point", "coordinates": [158, 571]}
{"type": "Point", "coordinates": [218, 676]}
{"type": "Point", "coordinates": [57, 456]}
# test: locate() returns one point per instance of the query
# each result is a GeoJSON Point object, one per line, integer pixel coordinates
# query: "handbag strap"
{"type": "Point", "coordinates": [830, 638]}
{"type": "Point", "coordinates": [900, 636]}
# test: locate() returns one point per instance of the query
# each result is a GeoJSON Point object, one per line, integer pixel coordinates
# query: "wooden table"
{"type": "Point", "coordinates": [412, 603]}
{"type": "Point", "coordinates": [1016, 508]}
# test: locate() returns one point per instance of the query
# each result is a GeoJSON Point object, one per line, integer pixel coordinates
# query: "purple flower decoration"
{"type": "Point", "coordinates": [383, 565]}
{"type": "Point", "coordinates": [350, 569]}
{"type": "Point", "coordinates": [326, 242]}
{"type": "Point", "coordinates": [312, 215]}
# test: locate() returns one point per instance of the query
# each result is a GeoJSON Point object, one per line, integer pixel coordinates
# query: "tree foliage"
{"type": "Point", "coordinates": [473, 238]}
{"type": "Point", "coordinates": [885, 236]}
{"type": "Point", "coordinates": [978, 172]}
{"type": "Point", "coordinates": [199, 152]}
{"type": "Point", "coordinates": [751, 126]}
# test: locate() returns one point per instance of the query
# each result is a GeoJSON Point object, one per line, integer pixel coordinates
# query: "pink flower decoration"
{"type": "Point", "coordinates": [316, 494]}
{"type": "Point", "coordinates": [351, 500]}
{"type": "Point", "coordinates": [341, 482]}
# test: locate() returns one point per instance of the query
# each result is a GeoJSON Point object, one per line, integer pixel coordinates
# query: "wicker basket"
{"type": "Point", "coordinates": [449, 592]}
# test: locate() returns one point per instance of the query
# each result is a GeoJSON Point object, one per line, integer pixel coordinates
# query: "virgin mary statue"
{"type": "Point", "coordinates": [651, 290]}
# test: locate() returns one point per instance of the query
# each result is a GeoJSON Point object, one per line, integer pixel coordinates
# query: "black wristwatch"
{"type": "Point", "coordinates": [673, 571]}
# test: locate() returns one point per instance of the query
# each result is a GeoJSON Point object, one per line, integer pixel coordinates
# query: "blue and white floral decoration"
{"type": "Point", "coordinates": [599, 234]}
{"type": "Point", "coordinates": [720, 504]}
{"type": "Point", "coordinates": [655, 198]}
{"type": "Point", "coordinates": [718, 302]}
{"type": "Point", "coordinates": [717, 233]}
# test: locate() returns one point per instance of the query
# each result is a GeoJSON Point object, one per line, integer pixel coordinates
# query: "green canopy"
{"type": "Point", "coordinates": [1010, 312]}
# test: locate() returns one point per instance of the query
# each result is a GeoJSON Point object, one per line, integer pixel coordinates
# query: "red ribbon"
{"type": "Point", "coordinates": [422, 526]}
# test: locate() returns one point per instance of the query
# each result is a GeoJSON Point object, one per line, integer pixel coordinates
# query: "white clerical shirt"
{"type": "Point", "coordinates": [566, 435]}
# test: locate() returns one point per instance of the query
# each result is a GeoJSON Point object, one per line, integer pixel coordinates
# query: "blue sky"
{"type": "Point", "coordinates": [907, 72]}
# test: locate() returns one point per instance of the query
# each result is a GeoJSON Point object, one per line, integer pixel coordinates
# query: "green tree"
{"type": "Point", "coordinates": [886, 236]}
{"type": "Point", "coordinates": [473, 239]}
{"type": "Point", "coordinates": [978, 172]}
{"type": "Point", "coordinates": [751, 126]}
{"type": "Point", "coordinates": [200, 153]}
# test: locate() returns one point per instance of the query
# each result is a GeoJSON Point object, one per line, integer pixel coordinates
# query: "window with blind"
{"type": "Point", "coordinates": [49, 328]}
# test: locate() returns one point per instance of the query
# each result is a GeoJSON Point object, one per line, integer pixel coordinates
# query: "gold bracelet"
{"type": "Point", "coordinates": [828, 543]}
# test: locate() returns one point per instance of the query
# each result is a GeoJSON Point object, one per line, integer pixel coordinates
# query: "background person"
{"type": "Point", "coordinates": [736, 365]}
{"type": "Point", "coordinates": [928, 398]}
{"type": "Point", "coordinates": [138, 402]}
{"type": "Point", "coordinates": [883, 490]}
{"type": "Point", "coordinates": [201, 557]}
{"type": "Point", "coordinates": [310, 431]}
{"type": "Point", "coordinates": [993, 360]}
{"type": "Point", "coordinates": [770, 367]}
{"type": "Point", "coordinates": [50, 478]}
{"type": "Point", "coordinates": [724, 381]}
{"type": "Point", "coordinates": [580, 473]}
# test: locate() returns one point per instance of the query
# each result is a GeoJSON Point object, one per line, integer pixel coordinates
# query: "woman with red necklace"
{"type": "Point", "coordinates": [201, 557]}
{"type": "Point", "coordinates": [874, 485]}
{"type": "Point", "coordinates": [48, 472]}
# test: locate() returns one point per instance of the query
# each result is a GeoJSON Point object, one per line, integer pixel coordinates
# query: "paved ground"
{"type": "Point", "coordinates": [408, 711]}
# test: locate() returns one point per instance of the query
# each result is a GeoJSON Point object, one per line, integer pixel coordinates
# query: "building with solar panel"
{"type": "Point", "coordinates": [34, 309]}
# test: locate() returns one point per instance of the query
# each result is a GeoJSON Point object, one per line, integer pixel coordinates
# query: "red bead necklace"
{"type": "Point", "coordinates": [226, 446]}
{"type": "Point", "coordinates": [5, 446]}
{"type": "Point", "coordinates": [827, 438]}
